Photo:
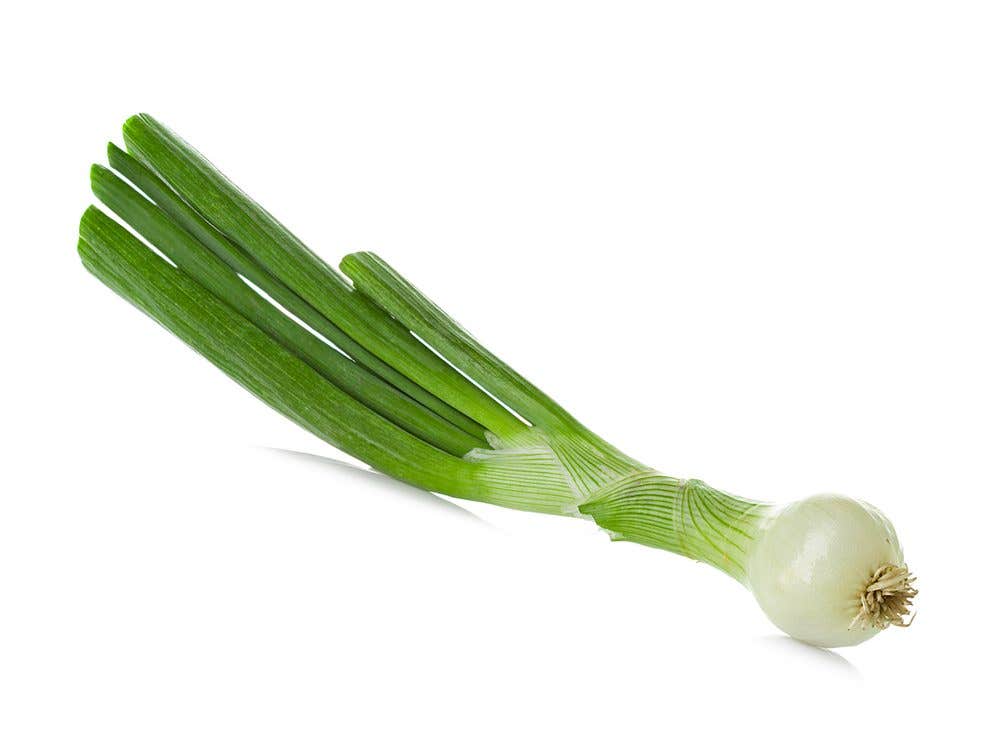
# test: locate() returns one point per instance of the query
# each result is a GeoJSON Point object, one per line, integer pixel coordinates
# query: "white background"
{"type": "Point", "coordinates": [753, 243]}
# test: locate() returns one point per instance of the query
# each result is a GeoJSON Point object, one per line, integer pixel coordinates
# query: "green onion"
{"type": "Point", "coordinates": [367, 363]}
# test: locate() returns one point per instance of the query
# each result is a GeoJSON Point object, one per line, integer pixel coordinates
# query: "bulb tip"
{"type": "Point", "coordinates": [886, 598]}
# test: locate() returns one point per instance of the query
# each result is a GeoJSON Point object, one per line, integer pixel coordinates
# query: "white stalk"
{"type": "Point", "coordinates": [827, 570]}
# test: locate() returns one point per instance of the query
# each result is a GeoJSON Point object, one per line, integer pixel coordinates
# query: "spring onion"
{"type": "Point", "coordinates": [364, 361]}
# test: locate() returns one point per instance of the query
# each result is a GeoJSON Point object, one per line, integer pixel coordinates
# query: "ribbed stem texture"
{"type": "Point", "coordinates": [682, 516]}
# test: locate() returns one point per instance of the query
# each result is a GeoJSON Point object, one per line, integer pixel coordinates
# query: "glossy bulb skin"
{"type": "Point", "coordinates": [813, 560]}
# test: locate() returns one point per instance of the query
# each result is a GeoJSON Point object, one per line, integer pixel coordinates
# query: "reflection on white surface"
{"type": "Point", "coordinates": [803, 652]}
{"type": "Point", "coordinates": [385, 482]}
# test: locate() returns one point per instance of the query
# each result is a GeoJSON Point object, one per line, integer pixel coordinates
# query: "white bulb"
{"type": "Point", "coordinates": [813, 564]}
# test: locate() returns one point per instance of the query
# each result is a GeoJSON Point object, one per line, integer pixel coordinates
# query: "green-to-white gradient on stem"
{"type": "Point", "coordinates": [367, 363]}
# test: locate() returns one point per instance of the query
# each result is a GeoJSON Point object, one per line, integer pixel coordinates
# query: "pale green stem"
{"type": "Point", "coordinates": [686, 517]}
